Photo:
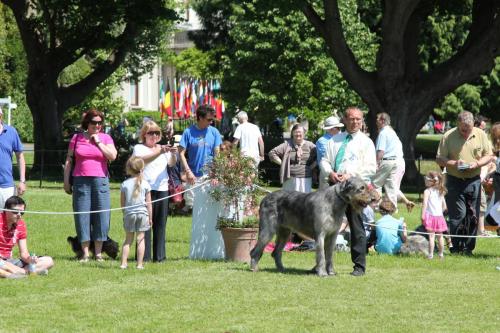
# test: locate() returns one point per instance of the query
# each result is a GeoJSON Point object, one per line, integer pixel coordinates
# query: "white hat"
{"type": "Point", "coordinates": [332, 122]}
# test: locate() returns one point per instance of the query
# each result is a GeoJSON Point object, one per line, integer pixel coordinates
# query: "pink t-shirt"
{"type": "Point", "coordinates": [90, 161]}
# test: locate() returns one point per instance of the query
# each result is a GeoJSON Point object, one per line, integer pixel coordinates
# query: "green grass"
{"type": "Point", "coordinates": [398, 294]}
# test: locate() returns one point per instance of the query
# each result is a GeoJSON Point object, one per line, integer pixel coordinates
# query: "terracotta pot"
{"type": "Point", "coordinates": [238, 243]}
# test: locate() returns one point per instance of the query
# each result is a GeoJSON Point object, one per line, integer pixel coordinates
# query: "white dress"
{"type": "Point", "coordinates": [206, 241]}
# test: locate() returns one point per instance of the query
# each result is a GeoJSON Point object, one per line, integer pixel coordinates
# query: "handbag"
{"type": "Point", "coordinates": [73, 161]}
{"type": "Point", "coordinates": [175, 192]}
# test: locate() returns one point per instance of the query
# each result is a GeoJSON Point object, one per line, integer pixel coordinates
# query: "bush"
{"type": "Point", "coordinates": [135, 118]}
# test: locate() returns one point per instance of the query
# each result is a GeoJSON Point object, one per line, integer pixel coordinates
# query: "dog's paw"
{"type": "Point", "coordinates": [254, 266]}
{"type": "Point", "coordinates": [322, 273]}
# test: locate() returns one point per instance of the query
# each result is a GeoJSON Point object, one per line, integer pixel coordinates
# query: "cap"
{"type": "Point", "coordinates": [332, 122]}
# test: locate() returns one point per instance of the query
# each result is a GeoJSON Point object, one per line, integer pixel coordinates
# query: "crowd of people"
{"type": "Point", "coordinates": [465, 154]}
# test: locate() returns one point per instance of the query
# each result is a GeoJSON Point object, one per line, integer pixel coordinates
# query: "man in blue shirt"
{"type": "Point", "coordinates": [332, 127]}
{"type": "Point", "coordinates": [201, 142]}
{"type": "Point", "coordinates": [9, 143]}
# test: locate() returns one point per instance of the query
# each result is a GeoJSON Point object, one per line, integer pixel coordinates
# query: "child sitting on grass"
{"type": "Point", "coordinates": [137, 214]}
{"type": "Point", "coordinates": [390, 232]}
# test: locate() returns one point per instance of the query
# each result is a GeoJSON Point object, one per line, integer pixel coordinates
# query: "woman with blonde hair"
{"type": "Point", "coordinates": [156, 158]}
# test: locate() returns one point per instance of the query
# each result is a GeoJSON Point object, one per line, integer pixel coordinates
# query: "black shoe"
{"type": "Point", "coordinates": [358, 272]}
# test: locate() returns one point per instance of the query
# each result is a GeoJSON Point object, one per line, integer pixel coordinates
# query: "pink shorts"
{"type": "Point", "coordinates": [435, 223]}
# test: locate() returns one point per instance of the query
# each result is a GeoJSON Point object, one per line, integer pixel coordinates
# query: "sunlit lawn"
{"type": "Point", "coordinates": [459, 294]}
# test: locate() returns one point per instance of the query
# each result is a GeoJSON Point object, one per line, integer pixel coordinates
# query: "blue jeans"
{"type": "Point", "coordinates": [91, 193]}
{"type": "Point", "coordinates": [460, 193]}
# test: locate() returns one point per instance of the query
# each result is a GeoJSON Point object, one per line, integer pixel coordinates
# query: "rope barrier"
{"type": "Point", "coordinates": [103, 210]}
{"type": "Point", "coordinates": [200, 185]}
{"type": "Point", "coordinates": [429, 233]}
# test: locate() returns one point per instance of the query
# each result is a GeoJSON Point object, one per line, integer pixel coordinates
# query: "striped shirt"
{"type": "Point", "coordinates": [9, 238]}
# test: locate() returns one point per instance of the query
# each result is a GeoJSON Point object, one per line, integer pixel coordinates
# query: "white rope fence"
{"type": "Point", "coordinates": [429, 233]}
{"type": "Point", "coordinates": [103, 210]}
{"type": "Point", "coordinates": [413, 232]}
{"type": "Point", "coordinates": [200, 185]}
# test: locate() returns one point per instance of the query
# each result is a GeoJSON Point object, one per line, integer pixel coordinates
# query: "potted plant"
{"type": "Point", "coordinates": [235, 176]}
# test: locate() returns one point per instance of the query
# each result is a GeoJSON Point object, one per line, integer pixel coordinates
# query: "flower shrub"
{"type": "Point", "coordinates": [235, 175]}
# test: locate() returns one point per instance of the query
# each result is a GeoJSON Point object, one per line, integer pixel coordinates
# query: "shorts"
{"type": "Point", "coordinates": [17, 262]}
{"type": "Point", "coordinates": [136, 222]}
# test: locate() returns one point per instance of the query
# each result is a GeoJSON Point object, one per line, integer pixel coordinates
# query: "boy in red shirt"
{"type": "Point", "coordinates": [12, 232]}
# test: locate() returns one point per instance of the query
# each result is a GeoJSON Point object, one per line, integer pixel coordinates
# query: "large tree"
{"type": "Point", "coordinates": [107, 34]}
{"type": "Point", "coordinates": [400, 85]}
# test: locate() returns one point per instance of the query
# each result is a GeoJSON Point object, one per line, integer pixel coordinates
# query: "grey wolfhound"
{"type": "Point", "coordinates": [317, 215]}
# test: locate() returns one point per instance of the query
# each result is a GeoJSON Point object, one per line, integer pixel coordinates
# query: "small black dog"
{"type": "Point", "coordinates": [110, 247]}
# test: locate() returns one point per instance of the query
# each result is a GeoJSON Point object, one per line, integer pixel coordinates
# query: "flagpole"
{"type": "Point", "coordinates": [160, 80]}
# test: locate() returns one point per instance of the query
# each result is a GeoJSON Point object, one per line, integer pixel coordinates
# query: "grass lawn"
{"type": "Point", "coordinates": [413, 294]}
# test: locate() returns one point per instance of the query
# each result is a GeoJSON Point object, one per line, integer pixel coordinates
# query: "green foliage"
{"type": "Point", "coordinates": [193, 62]}
{"type": "Point", "coordinates": [105, 98]}
{"type": "Point", "coordinates": [491, 93]}
{"type": "Point", "coordinates": [274, 64]}
{"type": "Point", "coordinates": [235, 174]}
{"type": "Point", "coordinates": [21, 117]}
{"type": "Point", "coordinates": [465, 97]}
{"type": "Point", "coordinates": [135, 118]}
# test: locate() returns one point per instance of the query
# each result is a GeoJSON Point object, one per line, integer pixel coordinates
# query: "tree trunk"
{"type": "Point", "coordinates": [408, 114]}
{"type": "Point", "coordinates": [47, 122]}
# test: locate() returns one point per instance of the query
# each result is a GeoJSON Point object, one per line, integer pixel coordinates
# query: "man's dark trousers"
{"type": "Point", "coordinates": [460, 192]}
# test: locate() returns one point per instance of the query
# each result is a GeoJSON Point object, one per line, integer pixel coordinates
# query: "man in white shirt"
{"type": "Point", "coordinates": [390, 161]}
{"type": "Point", "coordinates": [348, 154]}
{"type": "Point", "coordinates": [249, 137]}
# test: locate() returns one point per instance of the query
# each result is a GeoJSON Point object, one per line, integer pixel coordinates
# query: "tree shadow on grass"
{"type": "Point", "coordinates": [288, 271]}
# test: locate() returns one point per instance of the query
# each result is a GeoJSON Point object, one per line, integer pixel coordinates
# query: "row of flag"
{"type": "Point", "coordinates": [187, 94]}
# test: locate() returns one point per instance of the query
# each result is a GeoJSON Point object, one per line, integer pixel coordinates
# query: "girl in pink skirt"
{"type": "Point", "coordinates": [433, 207]}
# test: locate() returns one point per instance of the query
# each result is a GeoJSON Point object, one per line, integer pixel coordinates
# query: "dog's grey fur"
{"type": "Point", "coordinates": [415, 244]}
{"type": "Point", "coordinates": [317, 215]}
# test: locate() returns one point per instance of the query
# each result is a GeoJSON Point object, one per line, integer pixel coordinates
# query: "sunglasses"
{"type": "Point", "coordinates": [96, 123]}
{"type": "Point", "coordinates": [17, 212]}
{"type": "Point", "coordinates": [157, 133]}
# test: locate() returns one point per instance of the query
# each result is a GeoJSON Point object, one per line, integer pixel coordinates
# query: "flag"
{"type": "Point", "coordinates": [167, 103]}
{"type": "Point", "coordinates": [161, 97]}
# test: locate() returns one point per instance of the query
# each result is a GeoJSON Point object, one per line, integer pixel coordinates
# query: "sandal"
{"type": "Point", "coordinates": [409, 206]}
{"type": "Point", "coordinates": [99, 258]}
{"type": "Point", "coordinates": [84, 259]}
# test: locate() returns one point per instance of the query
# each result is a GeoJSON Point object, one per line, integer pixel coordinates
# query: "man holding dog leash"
{"type": "Point", "coordinates": [352, 153]}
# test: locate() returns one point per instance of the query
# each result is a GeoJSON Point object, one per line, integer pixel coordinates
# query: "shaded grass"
{"type": "Point", "coordinates": [397, 294]}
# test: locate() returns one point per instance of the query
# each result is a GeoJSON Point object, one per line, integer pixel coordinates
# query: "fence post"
{"type": "Point", "coordinates": [41, 168]}
{"type": "Point", "coordinates": [419, 172]}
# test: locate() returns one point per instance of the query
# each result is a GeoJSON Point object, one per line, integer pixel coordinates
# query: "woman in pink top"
{"type": "Point", "coordinates": [92, 151]}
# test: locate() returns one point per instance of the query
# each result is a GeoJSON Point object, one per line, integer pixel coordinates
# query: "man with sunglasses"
{"type": "Point", "coordinates": [10, 143]}
{"type": "Point", "coordinates": [13, 232]}
{"type": "Point", "coordinates": [199, 144]}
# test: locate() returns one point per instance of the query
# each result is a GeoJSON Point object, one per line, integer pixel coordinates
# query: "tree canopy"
{"type": "Point", "coordinates": [107, 34]}
{"type": "Point", "coordinates": [406, 58]}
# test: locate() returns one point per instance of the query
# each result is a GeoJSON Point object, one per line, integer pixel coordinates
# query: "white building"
{"type": "Point", "coordinates": [145, 93]}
